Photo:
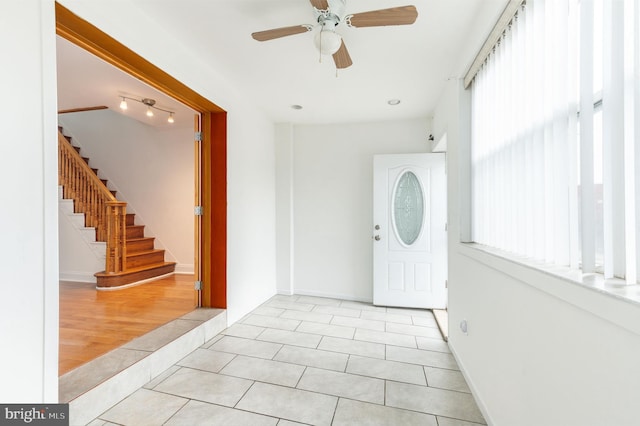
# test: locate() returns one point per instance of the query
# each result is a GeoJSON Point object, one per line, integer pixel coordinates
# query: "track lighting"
{"type": "Point", "coordinates": [151, 105]}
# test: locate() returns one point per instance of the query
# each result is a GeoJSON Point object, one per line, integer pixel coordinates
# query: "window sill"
{"type": "Point", "coordinates": [610, 299]}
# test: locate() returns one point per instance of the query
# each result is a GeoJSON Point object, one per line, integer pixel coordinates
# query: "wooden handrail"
{"type": "Point", "coordinates": [92, 197]}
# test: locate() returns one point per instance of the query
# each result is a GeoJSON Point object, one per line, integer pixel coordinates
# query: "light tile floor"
{"type": "Point", "coordinates": [308, 360]}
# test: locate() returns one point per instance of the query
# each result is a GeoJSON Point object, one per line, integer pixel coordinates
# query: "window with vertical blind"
{"type": "Point", "coordinates": [556, 137]}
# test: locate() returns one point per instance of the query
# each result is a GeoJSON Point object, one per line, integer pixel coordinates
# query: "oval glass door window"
{"type": "Point", "coordinates": [408, 208]}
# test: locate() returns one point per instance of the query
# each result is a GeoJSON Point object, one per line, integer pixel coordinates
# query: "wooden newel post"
{"type": "Point", "coordinates": [116, 236]}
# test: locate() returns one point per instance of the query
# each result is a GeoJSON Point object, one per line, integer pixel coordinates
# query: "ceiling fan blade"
{"type": "Point", "coordinates": [342, 57]}
{"type": "Point", "coordinates": [404, 15]}
{"type": "Point", "coordinates": [280, 32]}
{"type": "Point", "coordinates": [320, 4]}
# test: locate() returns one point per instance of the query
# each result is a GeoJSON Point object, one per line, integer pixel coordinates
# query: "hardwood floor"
{"type": "Point", "coordinates": [94, 322]}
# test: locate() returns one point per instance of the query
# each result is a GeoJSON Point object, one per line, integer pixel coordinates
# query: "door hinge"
{"type": "Point", "coordinates": [198, 136]}
{"type": "Point", "coordinates": [198, 211]}
{"type": "Point", "coordinates": [446, 226]}
{"type": "Point", "coordinates": [198, 285]}
{"type": "Point", "coordinates": [446, 283]}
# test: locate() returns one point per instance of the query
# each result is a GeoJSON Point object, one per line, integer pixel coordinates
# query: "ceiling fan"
{"type": "Point", "coordinates": [329, 14]}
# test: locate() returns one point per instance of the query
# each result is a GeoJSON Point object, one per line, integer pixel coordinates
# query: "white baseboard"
{"type": "Point", "coordinates": [303, 292]}
{"type": "Point", "coordinates": [81, 277]}
{"type": "Point", "coordinates": [474, 391]}
{"type": "Point", "coordinates": [184, 268]}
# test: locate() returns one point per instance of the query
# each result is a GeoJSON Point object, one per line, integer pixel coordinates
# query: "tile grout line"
{"type": "Point", "coordinates": [426, 378]}
{"type": "Point", "coordinates": [300, 378]}
{"type": "Point", "coordinates": [178, 410]}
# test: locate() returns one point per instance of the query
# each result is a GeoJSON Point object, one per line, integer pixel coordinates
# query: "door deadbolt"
{"type": "Point", "coordinates": [377, 227]}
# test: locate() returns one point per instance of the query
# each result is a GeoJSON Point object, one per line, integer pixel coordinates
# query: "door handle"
{"type": "Point", "coordinates": [377, 238]}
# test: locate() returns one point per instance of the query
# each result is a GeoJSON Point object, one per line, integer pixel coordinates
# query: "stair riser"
{"type": "Point", "coordinates": [140, 245]}
{"type": "Point", "coordinates": [145, 259]}
{"type": "Point", "coordinates": [135, 231]}
{"type": "Point", "coordinates": [104, 281]}
{"type": "Point", "coordinates": [130, 219]}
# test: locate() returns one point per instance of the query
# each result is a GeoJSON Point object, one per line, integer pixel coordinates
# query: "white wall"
{"type": "Point", "coordinates": [80, 256]}
{"type": "Point", "coordinates": [29, 213]}
{"type": "Point", "coordinates": [250, 144]}
{"type": "Point", "coordinates": [151, 168]}
{"type": "Point", "coordinates": [333, 201]}
{"type": "Point", "coordinates": [251, 212]}
{"type": "Point", "coordinates": [539, 350]}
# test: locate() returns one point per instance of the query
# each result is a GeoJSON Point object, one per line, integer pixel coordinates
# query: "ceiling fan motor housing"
{"type": "Point", "coordinates": [328, 21]}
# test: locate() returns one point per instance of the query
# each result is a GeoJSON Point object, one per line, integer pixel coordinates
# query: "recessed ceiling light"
{"type": "Point", "coordinates": [393, 101]}
{"type": "Point", "coordinates": [297, 107]}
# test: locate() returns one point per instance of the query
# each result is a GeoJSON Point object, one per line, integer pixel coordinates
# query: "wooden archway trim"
{"type": "Point", "coordinates": [213, 256]}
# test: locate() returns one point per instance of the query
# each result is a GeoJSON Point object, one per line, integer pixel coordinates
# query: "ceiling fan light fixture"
{"type": "Point", "coordinates": [328, 42]}
{"type": "Point", "coordinates": [123, 104]}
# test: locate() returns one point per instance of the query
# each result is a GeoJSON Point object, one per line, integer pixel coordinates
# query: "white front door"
{"type": "Point", "coordinates": [409, 235]}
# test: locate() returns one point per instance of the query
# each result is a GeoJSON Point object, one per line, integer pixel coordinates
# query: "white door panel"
{"type": "Point", "coordinates": [410, 251]}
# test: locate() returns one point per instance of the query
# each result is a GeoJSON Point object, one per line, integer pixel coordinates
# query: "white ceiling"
{"type": "Point", "coordinates": [410, 63]}
{"type": "Point", "coordinates": [84, 81]}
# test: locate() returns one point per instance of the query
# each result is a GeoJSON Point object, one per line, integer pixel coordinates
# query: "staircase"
{"type": "Point", "coordinates": [143, 260]}
{"type": "Point", "coordinates": [137, 259]}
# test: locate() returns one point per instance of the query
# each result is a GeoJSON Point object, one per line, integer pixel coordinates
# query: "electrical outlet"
{"type": "Point", "coordinates": [464, 326]}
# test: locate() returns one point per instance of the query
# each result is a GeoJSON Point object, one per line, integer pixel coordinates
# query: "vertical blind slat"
{"type": "Point", "coordinates": [587, 188]}
{"type": "Point", "coordinates": [630, 65]}
{"type": "Point", "coordinates": [612, 135]}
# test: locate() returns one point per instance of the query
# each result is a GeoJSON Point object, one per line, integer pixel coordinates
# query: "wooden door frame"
{"type": "Point", "coordinates": [213, 175]}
